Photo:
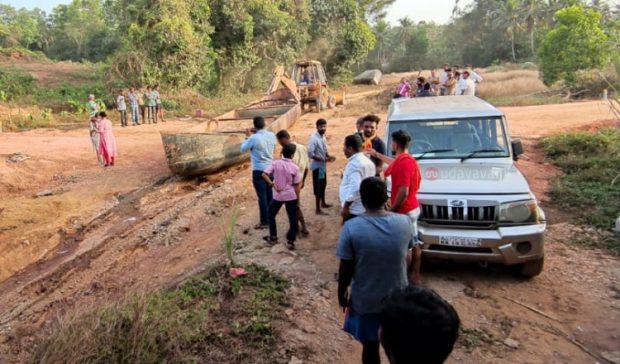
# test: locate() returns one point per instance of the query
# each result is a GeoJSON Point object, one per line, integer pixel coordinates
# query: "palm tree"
{"type": "Point", "coordinates": [405, 26]}
{"type": "Point", "coordinates": [531, 12]}
{"type": "Point", "coordinates": [507, 16]}
{"type": "Point", "coordinates": [382, 31]}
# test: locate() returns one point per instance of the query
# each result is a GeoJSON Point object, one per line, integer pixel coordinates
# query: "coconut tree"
{"type": "Point", "coordinates": [507, 15]}
{"type": "Point", "coordinates": [382, 33]}
{"type": "Point", "coordinates": [405, 26]}
{"type": "Point", "coordinates": [530, 10]}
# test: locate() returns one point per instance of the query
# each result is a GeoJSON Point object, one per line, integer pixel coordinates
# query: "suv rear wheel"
{"type": "Point", "coordinates": [531, 268]}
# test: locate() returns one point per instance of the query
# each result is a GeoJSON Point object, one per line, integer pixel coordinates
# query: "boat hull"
{"type": "Point", "coordinates": [197, 154]}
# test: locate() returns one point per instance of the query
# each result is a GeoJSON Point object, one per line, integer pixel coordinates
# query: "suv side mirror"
{"type": "Point", "coordinates": [517, 148]}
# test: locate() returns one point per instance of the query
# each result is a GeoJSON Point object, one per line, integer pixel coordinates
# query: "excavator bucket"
{"type": "Point", "coordinates": [282, 83]}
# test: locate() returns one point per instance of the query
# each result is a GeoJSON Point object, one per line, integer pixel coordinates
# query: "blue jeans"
{"type": "Point", "coordinates": [135, 115]}
{"type": "Point", "coordinates": [151, 114]}
{"type": "Point", "coordinates": [264, 194]}
{"type": "Point", "coordinates": [123, 117]}
{"type": "Point", "coordinates": [291, 211]}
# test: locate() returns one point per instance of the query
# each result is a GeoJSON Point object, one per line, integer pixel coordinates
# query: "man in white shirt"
{"type": "Point", "coordinates": [473, 74]}
{"type": "Point", "coordinates": [443, 78]}
{"type": "Point", "coordinates": [466, 85]}
{"type": "Point", "coordinates": [359, 167]}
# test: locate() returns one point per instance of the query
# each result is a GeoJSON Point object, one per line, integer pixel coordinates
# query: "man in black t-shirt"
{"type": "Point", "coordinates": [371, 141]}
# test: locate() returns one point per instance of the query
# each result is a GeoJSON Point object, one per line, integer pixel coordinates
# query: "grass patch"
{"type": "Point", "coordinates": [472, 338]}
{"type": "Point", "coordinates": [510, 84]}
{"type": "Point", "coordinates": [528, 100]}
{"type": "Point", "coordinates": [589, 188]}
{"type": "Point", "coordinates": [212, 318]}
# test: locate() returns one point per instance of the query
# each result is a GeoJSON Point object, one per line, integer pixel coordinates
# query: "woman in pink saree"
{"type": "Point", "coordinates": [107, 142]}
{"type": "Point", "coordinates": [404, 88]}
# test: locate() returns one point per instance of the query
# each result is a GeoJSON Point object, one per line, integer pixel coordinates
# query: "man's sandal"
{"type": "Point", "coordinates": [269, 240]}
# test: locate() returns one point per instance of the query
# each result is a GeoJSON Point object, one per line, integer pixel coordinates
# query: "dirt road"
{"type": "Point", "coordinates": [104, 233]}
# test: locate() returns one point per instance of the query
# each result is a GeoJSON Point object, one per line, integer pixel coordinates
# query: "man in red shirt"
{"type": "Point", "coordinates": [406, 178]}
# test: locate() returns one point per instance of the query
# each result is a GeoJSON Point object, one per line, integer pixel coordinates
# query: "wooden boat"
{"type": "Point", "coordinates": [200, 153]}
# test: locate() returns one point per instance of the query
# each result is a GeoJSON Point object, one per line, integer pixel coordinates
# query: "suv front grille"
{"type": "Point", "coordinates": [446, 215]}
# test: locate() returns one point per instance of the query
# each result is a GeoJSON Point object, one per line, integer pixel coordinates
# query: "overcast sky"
{"type": "Point", "coordinates": [438, 11]}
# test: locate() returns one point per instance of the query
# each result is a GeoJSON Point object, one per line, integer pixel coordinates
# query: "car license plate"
{"type": "Point", "coordinates": [460, 241]}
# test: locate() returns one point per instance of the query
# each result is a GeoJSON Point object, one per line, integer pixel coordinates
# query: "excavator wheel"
{"type": "Point", "coordinates": [331, 101]}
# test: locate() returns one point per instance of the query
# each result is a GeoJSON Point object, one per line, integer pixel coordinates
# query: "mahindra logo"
{"type": "Point", "coordinates": [456, 203]}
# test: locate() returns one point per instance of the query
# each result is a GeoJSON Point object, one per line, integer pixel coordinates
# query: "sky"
{"type": "Point", "coordinates": [438, 11]}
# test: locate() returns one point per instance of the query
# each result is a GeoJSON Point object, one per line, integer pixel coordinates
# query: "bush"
{"type": "Point", "coordinates": [591, 83]}
{"type": "Point", "coordinates": [210, 319]}
{"type": "Point", "coordinates": [15, 83]}
{"type": "Point", "coordinates": [170, 105]}
{"type": "Point", "coordinates": [23, 53]}
{"type": "Point", "coordinates": [589, 187]}
{"type": "Point", "coordinates": [71, 97]}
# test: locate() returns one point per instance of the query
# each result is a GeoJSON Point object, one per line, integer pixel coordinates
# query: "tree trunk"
{"type": "Point", "coordinates": [532, 45]}
{"type": "Point", "coordinates": [512, 43]}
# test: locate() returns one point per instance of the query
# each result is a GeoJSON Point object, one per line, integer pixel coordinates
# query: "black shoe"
{"type": "Point", "coordinates": [270, 240]}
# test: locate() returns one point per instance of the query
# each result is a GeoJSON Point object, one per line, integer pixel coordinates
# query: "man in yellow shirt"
{"type": "Point", "coordinates": [300, 158]}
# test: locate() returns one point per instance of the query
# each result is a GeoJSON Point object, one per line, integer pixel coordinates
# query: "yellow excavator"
{"type": "Point", "coordinates": [309, 81]}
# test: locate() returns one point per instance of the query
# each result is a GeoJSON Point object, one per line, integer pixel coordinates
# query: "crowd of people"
{"type": "Point", "coordinates": [145, 107]}
{"type": "Point", "coordinates": [379, 251]}
{"type": "Point", "coordinates": [450, 82]}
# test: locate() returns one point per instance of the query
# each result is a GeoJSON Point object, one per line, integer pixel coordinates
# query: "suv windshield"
{"type": "Point", "coordinates": [484, 137]}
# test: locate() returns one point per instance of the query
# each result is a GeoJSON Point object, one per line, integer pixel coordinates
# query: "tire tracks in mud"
{"type": "Point", "coordinates": [140, 220]}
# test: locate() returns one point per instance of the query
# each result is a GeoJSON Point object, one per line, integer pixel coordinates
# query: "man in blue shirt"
{"type": "Point", "coordinates": [374, 251]}
{"type": "Point", "coordinates": [260, 143]}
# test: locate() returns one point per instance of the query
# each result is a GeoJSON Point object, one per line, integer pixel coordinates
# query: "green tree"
{"type": "Point", "coordinates": [577, 42]}
{"type": "Point", "coordinates": [383, 44]}
{"type": "Point", "coordinates": [341, 26]}
{"type": "Point", "coordinates": [21, 27]}
{"type": "Point", "coordinates": [508, 16]}
{"type": "Point", "coordinates": [375, 10]}
{"type": "Point", "coordinates": [251, 37]}
{"type": "Point", "coordinates": [73, 27]}
{"type": "Point", "coordinates": [167, 42]}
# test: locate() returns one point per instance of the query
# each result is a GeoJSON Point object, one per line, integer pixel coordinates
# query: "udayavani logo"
{"type": "Point", "coordinates": [463, 173]}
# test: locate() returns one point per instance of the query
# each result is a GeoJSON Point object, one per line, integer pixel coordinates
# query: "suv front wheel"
{"type": "Point", "coordinates": [531, 268]}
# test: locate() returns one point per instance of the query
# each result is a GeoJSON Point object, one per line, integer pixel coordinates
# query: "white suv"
{"type": "Point", "coordinates": [475, 204]}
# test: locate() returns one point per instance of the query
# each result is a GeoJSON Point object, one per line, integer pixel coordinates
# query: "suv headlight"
{"type": "Point", "coordinates": [521, 212]}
